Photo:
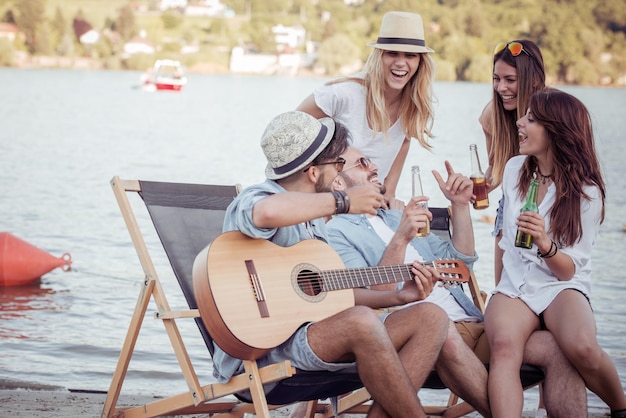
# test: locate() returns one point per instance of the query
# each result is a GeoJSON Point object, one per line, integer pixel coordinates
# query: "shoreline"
{"type": "Point", "coordinates": [207, 68]}
{"type": "Point", "coordinates": [34, 400]}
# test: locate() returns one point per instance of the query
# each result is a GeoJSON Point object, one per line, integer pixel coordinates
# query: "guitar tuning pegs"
{"type": "Point", "coordinates": [450, 284]}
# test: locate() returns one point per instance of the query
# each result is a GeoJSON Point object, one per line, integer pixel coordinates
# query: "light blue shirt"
{"type": "Point", "coordinates": [238, 217]}
{"type": "Point", "coordinates": [358, 244]}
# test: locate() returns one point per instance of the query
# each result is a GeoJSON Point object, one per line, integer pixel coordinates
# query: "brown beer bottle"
{"type": "Point", "coordinates": [478, 178]}
{"type": "Point", "coordinates": [524, 240]}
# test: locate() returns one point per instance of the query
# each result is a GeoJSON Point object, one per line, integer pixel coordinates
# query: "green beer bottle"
{"type": "Point", "coordinates": [524, 240]}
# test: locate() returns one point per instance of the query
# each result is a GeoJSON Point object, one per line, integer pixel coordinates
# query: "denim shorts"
{"type": "Point", "coordinates": [298, 351]}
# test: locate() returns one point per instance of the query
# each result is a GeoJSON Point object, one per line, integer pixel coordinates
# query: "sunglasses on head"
{"type": "Point", "coordinates": [339, 163]}
{"type": "Point", "coordinates": [515, 48]}
{"type": "Point", "coordinates": [363, 162]}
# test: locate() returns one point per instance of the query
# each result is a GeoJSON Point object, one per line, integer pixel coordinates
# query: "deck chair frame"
{"type": "Point", "coordinates": [198, 398]}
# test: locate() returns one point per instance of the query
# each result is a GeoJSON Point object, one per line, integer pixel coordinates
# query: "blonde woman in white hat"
{"type": "Point", "coordinates": [388, 103]}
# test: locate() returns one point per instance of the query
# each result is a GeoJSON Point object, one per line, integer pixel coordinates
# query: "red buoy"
{"type": "Point", "coordinates": [22, 263]}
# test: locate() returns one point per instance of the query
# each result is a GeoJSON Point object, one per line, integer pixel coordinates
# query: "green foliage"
{"type": "Point", "coordinates": [239, 6]}
{"type": "Point", "coordinates": [65, 47]}
{"type": "Point", "coordinates": [44, 44]}
{"type": "Point", "coordinates": [264, 8]}
{"type": "Point", "coordinates": [611, 15]}
{"type": "Point", "coordinates": [475, 71]}
{"type": "Point", "coordinates": [258, 32]}
{"type": "Point", "coordinates": [140, 62]}
{"type": "Point", "coordinates": [6, 52]}
{"type": "Point", "coordinates": [125, 23]}
{"type": "Point", "coordinates": [59, 24]}
{"type": "Point", "coordinates": [112, 63]}
{"type": "Point", "coordinates": [101, 50]}
{"type": "Point", "coordinates": [173, 47]}
{"type": "Point", "coordinates": [474, 21]}
{"type": "Point", "coordinates": [171, 19]}
{"type": "Point", "coordinates": [30, 17]}
{"type": "Point", "coordinates": [336, 52]}
{"type": "Point", "coordinates": [445, 70]}
{"type": "Point", "coordinates": [583, 41]}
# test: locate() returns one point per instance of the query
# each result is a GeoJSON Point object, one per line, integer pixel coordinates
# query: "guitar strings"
{"type": "Point", "coordinates": [355, 277]}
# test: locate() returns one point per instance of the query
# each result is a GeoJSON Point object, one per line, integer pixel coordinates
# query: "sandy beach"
{"type": "Point", "coordinates": [41, 401]}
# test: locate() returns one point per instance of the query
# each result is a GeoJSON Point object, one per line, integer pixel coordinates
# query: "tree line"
{"type": "Point", "coordinates": [582, 41]}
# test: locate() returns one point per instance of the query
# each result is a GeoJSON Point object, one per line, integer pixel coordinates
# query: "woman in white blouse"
{"type": "Point", "coordinates": [548, 286]}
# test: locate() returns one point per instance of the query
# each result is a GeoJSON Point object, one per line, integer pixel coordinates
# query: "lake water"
{"type": "Point", "coordinates": [65, 134]}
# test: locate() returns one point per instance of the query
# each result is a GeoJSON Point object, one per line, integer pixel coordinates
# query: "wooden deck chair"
{"type": "Point", "coordinates": [357, 402]}
{"type": "Point", "coordinates": [187, 217]}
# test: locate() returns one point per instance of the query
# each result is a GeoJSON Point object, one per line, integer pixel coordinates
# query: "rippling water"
{"type": "Point", "coordinates": [65, 134]}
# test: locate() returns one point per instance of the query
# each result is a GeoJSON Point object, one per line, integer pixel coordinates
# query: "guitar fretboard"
{"type": "Point", "coordinates": [366, 276]}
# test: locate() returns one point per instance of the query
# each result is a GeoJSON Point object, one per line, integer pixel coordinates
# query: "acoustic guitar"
{"type": "Point", "coordinates": [253, 294]}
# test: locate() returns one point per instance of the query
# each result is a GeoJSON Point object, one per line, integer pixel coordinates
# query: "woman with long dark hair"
{"type": "Point", "coordinates": [549, 285]}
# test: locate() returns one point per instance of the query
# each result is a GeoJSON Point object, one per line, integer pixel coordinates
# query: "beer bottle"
{"type": "Point", "coordinates": [479, 181]}
{"type": "Point", "coordinates": [419, 191]}
{"type": "Point", "coordinates": [524, 240]}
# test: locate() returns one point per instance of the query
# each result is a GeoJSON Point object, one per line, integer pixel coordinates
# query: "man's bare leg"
{"type": "Point", "coordinates": [462, 372]}
{"type": "Point", "coordinates": [418, 344]}
{"type": "Point", "coordinates": [393, 359]}
{"type": "Point", "coordinates": [564, 391]}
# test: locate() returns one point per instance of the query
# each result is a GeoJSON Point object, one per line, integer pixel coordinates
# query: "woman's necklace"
{"type": "Point", "coordinates": [545, 178]}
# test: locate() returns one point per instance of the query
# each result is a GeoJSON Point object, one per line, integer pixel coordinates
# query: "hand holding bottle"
{"type": "Point", "coordinates": [525, 227]}
{"type": "Point", "coordinates": [414, 218]}
{"type": "Point", "coordinates": [481, 196]}
{"type": "Point", "coordinates": [419, 191]}
{"type": "Point", "coordinates": [533, 224]}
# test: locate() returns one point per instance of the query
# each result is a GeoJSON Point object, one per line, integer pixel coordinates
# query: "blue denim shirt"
{"type": "Point", "coordinates": [239, 217]}
{"type": "Point", "coordinates": [358, 244]}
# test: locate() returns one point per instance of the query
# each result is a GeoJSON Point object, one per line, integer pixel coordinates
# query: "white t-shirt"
{"type": "Point", "coordinates": [440, 296]}
{"type": "Point", "coordinates": [345, 102]}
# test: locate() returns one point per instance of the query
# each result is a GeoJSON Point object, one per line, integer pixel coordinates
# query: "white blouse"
{"type": "Point", "coordinates": [527, 276]}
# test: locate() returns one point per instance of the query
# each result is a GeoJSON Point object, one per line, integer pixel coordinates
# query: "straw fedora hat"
{"type": "Point", "coordinates": [292, 140]}
{"type": "Point", "coordinates": [401, 31]}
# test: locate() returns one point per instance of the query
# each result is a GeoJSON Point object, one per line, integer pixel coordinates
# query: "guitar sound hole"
{"type": "Point", "coordinates": [309, 283]}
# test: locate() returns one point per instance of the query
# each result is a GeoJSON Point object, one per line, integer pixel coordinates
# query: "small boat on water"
{"type": "Point", "coordinates": [165, 75]}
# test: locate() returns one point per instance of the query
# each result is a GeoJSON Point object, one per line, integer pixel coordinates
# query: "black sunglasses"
{"type": "Point", "coordinates": [339, 163]}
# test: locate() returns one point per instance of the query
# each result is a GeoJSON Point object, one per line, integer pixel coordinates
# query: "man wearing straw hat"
{"type": "Point", "coordinates": [392, 357]}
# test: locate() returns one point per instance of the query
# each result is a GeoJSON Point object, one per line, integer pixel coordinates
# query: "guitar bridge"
{"type": "Point", "coordinates": [257, 289]}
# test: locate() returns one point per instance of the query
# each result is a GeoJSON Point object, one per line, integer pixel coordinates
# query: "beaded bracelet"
{"type": "Point", "coordinates": [550, 253]}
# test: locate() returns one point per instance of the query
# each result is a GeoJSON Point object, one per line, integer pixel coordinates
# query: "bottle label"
{"type": "Point", "coordinates": [480, 191]}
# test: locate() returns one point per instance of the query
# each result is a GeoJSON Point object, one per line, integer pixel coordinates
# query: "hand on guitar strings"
{"type": "Point", "coordinates": [422, 285]}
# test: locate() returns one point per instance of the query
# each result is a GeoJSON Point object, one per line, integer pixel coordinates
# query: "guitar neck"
{"type": "Point", "coordinates": [366, 276]}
